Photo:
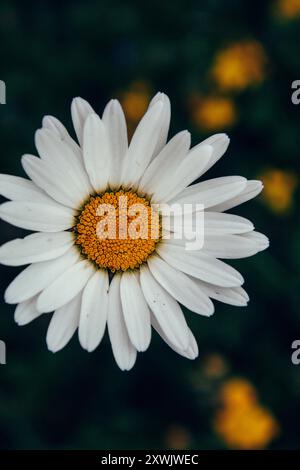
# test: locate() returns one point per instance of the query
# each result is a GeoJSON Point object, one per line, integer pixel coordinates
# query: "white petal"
{"type": "Point", "coordinates": [54, 125]}
{"type": "Point", "coordinates": [63, 325]}
{"type": "Point", "coordinates": [57, 184]}
{"type": "Point", "coordinates": [37, 216]}
{"type": "Point", "coordinates": [136, 311]}
{"type": "Point", "coordinates": [62, 157]}
{"type": "Point", "coordinates": [220, 143]}
{"type": "Point", "coordinates": [36, 277]}
{"type": "Point", "coordinates": [80, 110]}
{"type": "Point", "coordinates": [200, 265]}
{"type": "Point", "coordinates": [236, 296]}
{"type": "Point", "coordinates": [227, 246]}
{"type": "Point", "coordinates": [114, 120]}
{"type": "Point", "coordinates": [97, 152]}
{"type": "Point", "coordinates": [124, 352]}
{"type": "Point", "coordinates": [165, 309]}
{"type": "Point", "coordinates": [163, 136]}
{"type": "Point", "coordinates": [180, 286]}
{"type": "Point", "coordinates": [192, 350]}
{"type": "Point", "coordinates": [215, 223]}
{"type": "Point", "coordinates": [65, 287]}
{"type": "Point", "coordinates": [142, 145]}
{"type": "Point", "coordinates": [26, 312]}
{"type": "Point", "coordinates": [188, 171]}
{"type": "Point", "coordinates": [157, 175]}
{"type": "Point", "coordinates": [35, 248]}
{"type": "Point", "coordinates": [21, 189]}
{"type": "Point", "coordinates": [211, 192]}
{"type": "Point", "coordinates": [262, 242]}
{"type": "Point", "coordinates": [94, 308]}
{"type": "Point", "coordinates": [252, 189]}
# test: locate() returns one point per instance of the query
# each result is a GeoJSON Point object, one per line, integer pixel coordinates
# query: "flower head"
{"type": "Point", "coordinates": [105, 251]}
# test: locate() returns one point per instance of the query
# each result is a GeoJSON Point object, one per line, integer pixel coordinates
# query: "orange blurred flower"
{"type": "Point", "coordinates": [247, 428]}
{"type": "Point", "coordinates": [135, 100]}
{"type": "Point", "coordinates": [288, 9]}
{"type": "Point", "coordinates": [238, 393]}
{"type": "Point", "coordinates": [240, 65]}
{"type": "Point", "coordinates": [242, 422]}
{"type": "Point", "coordinates": [279, 187]}
{"type": "Point", "coordinates": [177, 437]}
{"type": "Point", "coordinates": [213, 113]}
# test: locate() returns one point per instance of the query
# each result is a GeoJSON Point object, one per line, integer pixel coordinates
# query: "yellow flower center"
{"type": "Point", "coordinates": [118, 230]}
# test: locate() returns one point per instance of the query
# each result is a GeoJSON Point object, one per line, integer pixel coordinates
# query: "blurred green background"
{"type": "Point", "coordinates": [227, 66]}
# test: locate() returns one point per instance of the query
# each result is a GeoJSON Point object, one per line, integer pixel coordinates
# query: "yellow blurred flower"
{"type": "Point", "coordinates": [289, 9]}
{"type": "Point", "coordinates": [279, 187]}
{"type": "Point", "coordinates": [242, 422]}
{"type": "Point", "coordinates": [213, 113]}
{"type": "Point", "coordinates": [239, 65]}
{"type": "Point", "coordinates": [177, 437]}
{"type": "Point", "coordinates": [252, 427]}
{"type": "Point", "coordinates": [135, 101]}
{"type": "Point", "coordinates": [238, 393]}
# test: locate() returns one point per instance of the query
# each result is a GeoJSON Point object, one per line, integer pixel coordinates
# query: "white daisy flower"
{"type": "Point", "coordinates": [128, 283]}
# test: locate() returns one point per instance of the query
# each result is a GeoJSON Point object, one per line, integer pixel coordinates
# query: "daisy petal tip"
{"type": "Point", "coordinates": [127, 364]}
{"type": "Point", "coordinates": [192, 351]}
{"type": "Point", "coordinates": [126, 368]}
{"type": "Point", "coordinates": [258, 183]}
{"type": "Point", "coordinates": [84, 343]}
{"type": "Point", "coordinates": [164, 97]}
{"type": "Point", "coordinates": [53, 346]}
{"type": "Point", "coordinates": [158, 107]}
{"type": "Point", "coordinates": [158, 96]}
{"type": "Point", "coordinates": [192, 355]}
{"type": "Point", "coordinates": [142, 348]}
{"type": "Point", "coordinates": [8, 297]}
{"type": "Point", "coordinates": [21, 322]}
{"type": "Point", "coordinates": [265, 245]}
{"type": "Point", "coordinates": [46, 120]}
{"type": "Point", "coordinates": [210, 313]}
{"type": "Point", "coordinates": [77, 100]}
{"type": "Point", "coordinates": [222, 136]}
